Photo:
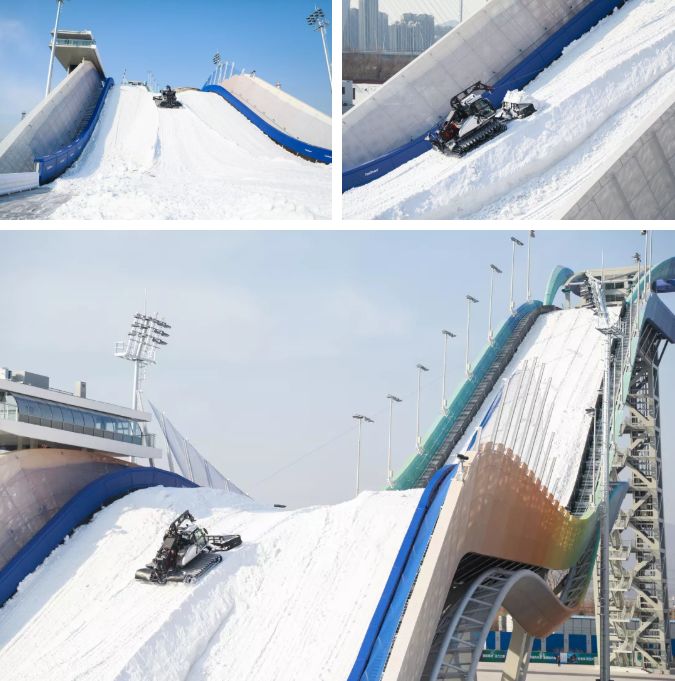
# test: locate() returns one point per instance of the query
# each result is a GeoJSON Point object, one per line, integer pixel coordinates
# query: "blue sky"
{"type": "Point", "coordinates": [174, 40]}
{"type": "Point", "coordinates": [279, 337]}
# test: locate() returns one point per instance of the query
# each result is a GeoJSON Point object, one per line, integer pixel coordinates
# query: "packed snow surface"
{"type": "Point", "coordinates": [565, 348]}
{"type": "Point", "coordinates": [292, 603]}
{"type": "Point", "coordinates": [590, 104]}
{"type": "Point", "coordinates": [202, 161]}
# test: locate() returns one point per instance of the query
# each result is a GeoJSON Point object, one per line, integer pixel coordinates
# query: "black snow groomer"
{"type": "Point", "coordinates": [166, 99]}
{"type": "Point", "coordinates": [473, 121]}
{"type": "Point", "coordinates": [187, 552]}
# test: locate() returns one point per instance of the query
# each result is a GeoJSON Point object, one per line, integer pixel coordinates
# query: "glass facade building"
{"type": "Point", "coordinates": [63, 417]}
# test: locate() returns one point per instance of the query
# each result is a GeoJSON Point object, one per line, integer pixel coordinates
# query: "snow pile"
{"type": "Point", "coordinates": [570, 349]}
{"type": "Point", "coordinates": [293, 602]}
{"type": "Point", "coordinates": [202, 161]}
{"type": "Point", "coordinates": [591, 102]}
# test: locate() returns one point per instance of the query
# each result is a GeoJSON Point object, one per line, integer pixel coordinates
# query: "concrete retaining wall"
{"type": "Point", "coordinates": [486, 45]}
{"type": "Point", "coordinates": [637, 182]}
{"type": "Point", "coordinates": [18, 182]}
{"type": "Point", "coordinates": [53, 123]}
{"type": "Point", "coordinates": [281, 110]}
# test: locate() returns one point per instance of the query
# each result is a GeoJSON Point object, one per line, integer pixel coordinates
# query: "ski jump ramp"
{"type": "Point", "coordinates": [202, 161]}
{"type": "Point", "coordinates": [402, 584]}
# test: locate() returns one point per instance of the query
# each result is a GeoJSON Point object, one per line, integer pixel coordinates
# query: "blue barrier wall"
{"type": "Point", "coordinates": [379, 636]}
{"type": "Point", "coordinates": [298, 147]}
{"type": "Point", "coordinates": [444, 423]}
{"type": "Point", "coordinates": [76, 511]}
{"type": "Point", "coordinates": [53, 165]}
{"type": "Point", "coordinates": [577, 643]}
{"type": "Point", "coordinates": [526, 71]}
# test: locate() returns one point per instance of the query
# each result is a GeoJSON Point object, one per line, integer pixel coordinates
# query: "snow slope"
{"type": "Point", "coordinates": [590, 101]}
{"type": "Point", "coordinates": [200, 162]}
{"type": "Point", "coordinates": [570, 349]}
{"type": "Point", "coordinates": [293, 602]}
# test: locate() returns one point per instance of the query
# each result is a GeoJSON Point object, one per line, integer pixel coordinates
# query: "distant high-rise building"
{"type": "Point", "coordinates": [354, 28]}
{"type": "Point", "coordinates": [345, 24]}
{"type": "Point", "coordinates": [383, 32]}
{"type": "Point", "coordinates": [369, 16]}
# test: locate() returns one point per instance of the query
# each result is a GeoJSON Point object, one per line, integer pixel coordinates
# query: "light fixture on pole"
{"type": "Point", "coordinates": [360, 418]}
{"type": "Point", "coordinates": [390, 472]}
{"type": "Point", "coordinates": [59, 3]}
{"type": "Point", "coordinates": [529, 241]}
{"type": "Point", "coordinates": [446, 335]}
{"type": "Point", "coordinates": [516, 242]}
{"type": "Point", "coordinates": [148, 334]}
{"type": "Point", "coordinates": [318, 20]}
{"type": "Point", "coordinates": [217, 60]}
{"type": "Point", "coordinates": [493, 270]}
{"type": "Point", "coordinates": [418, 438]}
{"type": "Point", "coordinates": [469, 300]}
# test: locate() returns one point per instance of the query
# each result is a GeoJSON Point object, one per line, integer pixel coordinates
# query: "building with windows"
{"type": "Point", "coordinates": [74, 47]}
{"type": "Point", "coordinates": [35, 416]}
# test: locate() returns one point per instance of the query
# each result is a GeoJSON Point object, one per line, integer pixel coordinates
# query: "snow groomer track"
{"type": "Point", "coordinates": [592, 103]}
{"type": "Point", "coordinates": [381, 586]}
{"type": "Point", "coordinates": [204, 160]}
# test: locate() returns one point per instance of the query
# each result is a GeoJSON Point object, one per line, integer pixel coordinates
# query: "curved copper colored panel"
{"type": "Point", "coordinates": [497, 509]}
{"type": "Point", "coordinates": [36, 483]}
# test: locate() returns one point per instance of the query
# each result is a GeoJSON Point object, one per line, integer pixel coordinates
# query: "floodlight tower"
{"type": "Point", "coordinates": [318, 20]}
{"type": "Point", "coordinates": [147, 335]}
{"type": "Point", "coordinates": [59, 4]}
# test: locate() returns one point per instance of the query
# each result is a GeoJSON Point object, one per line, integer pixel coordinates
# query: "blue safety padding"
{"type": "Point", "coordinates": [555, 643]}
{"type": "Point", "coordinates": [486, 419]}
{"type": "Point", "coordinates": [491, 640]}
{"type": "Point", "coordinates": [440, 429]}
{"type": "Point", "coordinates": [297, 146]}
{"type": "Point", "coordinates": [379, 637]}
{"type": "Point", "coordinates": [594, 644]}
{"type": "Point", "coordinates": [536, 645]}
{"type": "Point", "coordinates": [76, 511]}
{"type": "Point", "coordinates": [521, 74]}
{"type": "Point", "coordinates": [504, 640]}
{"type": "Point", "coordinates": [664, 286]}
{"type": "Point", "coordinates": [50, 166]}
{"type": "Point", "coordinates": [577, 643]}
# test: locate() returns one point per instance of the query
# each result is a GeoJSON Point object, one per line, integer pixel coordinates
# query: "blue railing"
{"type": "Point", "coordinates": [308, 151]}
{"type": "Point", "coordinates": [380, 634]}
{"type": "Point", "coordinates": [76, 511]}
{"type": "Point", "coordinates": [52, 165]}
{"type": "Point", "coordinates": [517, 77]}
{"type": "Point", "coordinates": [439, 431]}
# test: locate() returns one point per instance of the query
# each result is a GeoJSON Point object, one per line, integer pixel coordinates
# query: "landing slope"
{"type": "Point", "coordinates": [202, 161]}
{"type": "Point", "coordinates": [293, 602]}
{"type": "Point", "coordinates": [590, 101]}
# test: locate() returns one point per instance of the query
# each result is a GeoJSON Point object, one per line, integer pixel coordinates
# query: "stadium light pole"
{"type": "Point", "coordinates": [318, 20]}
{"type": "Point", "coordinates": [529, 242]}
{"type": "Point", "coordinates": [469, 300]}
{"type": "Point", "coordinates": [217, 61]}
{"type": "Point", "coordinates": [418, 439]}
{"type": "Point", "coordinates": [446, 335]}
{"type": "Point", "coordinates": [147, 335]}
{"type": "Point", "coordinates": [493, 270]}
{"type": "Point", "coordinates": [390, 473]}
{"type": "Point", "coordinates": [515, 242]}
{"type": "Point", "coordinates": [59, 4]}
{"type": "Point", "coordinates": [360, 418]}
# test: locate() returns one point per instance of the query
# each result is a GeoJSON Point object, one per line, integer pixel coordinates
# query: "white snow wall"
{"type": "Point", "coordinates": [53, 123]}
{"type": "Point", "coordinates": [483, 47]}
{"type": "Point", "coordinates": [281, 110]}
{"type": "Point", "coordinates": [638, 181]}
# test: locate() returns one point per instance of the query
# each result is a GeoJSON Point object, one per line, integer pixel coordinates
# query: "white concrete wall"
{"type": "Point", "coordinates": [483, 47]}
{"type": "Point", "coordinates": [283, 111]}
{"type": "Point", "coordinates": [53, 123]}
{"type": "Point", "coordinates": [18, 182]}
{"type": "Point", "coordinates": [637, 182]}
